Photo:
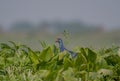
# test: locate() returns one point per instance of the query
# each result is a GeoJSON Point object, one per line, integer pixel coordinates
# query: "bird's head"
{"type": "Point", "coordinates": [59, 40]}
{"type": "Point", "coordinates": [61, 46]}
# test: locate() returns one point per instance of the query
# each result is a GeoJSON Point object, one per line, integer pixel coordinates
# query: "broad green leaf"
{"type": "Point", "coordinates": [62, 55]}
{"type": "Point", "coordinates": [82, 50]}
{"type": "Point", "coordinates": [34, 58]}
{"type": "Point", "coordinates": [59, 76]}
{"type": "Point", "coordinates": [91, 56]}
{"type": "Point", "coordinates": [53, 63]}
{"type": "Point", "coordinates": [67, 63]}
{"type": "Point", "coordinates": [51, 76]}
{"type": "Point", "coordinates": [112, 59]}
{"type": "Point", "coordinates": [43, 73]}
{"type": "Point", "coordinates": [100, 63]}
{"type": "Point", "coordinates": [68, 75]}
{"type": "Point", "coordinates": [80, 59]}
{"type": "Point", "coordinates": [46, 54]}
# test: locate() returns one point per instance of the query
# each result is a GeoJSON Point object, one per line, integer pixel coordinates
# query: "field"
{"type": "Point", "coordinates": [20, 63]}
{"type": "Point", "coordinates": [31, 58]}
{"type": "Point", "coordinates": [73, 40]}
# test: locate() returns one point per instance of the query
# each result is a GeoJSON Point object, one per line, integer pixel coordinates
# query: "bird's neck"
{"type": "Point", "coordinates": [61, 46]}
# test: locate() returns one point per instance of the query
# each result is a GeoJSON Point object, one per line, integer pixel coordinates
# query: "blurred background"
{"type": "Point", "coordinates": [83, 23]}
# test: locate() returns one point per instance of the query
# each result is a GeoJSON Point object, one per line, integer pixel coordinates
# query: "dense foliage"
{"type": "Point", "coordinates": [21, 63]}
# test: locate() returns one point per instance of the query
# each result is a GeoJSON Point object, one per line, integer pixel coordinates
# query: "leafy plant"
{"type": "Point", "coordinates": [21, 63]}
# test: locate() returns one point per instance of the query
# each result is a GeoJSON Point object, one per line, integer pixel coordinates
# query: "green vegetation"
{"type": "Point", "coordinates": [21, 63]}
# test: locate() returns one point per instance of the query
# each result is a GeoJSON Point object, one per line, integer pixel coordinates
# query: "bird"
{"type": "Point", "coordinates": [62, 48]}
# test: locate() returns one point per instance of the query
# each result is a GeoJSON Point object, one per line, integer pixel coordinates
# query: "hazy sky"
{"type": "Point", "coordinates": [106, 12]}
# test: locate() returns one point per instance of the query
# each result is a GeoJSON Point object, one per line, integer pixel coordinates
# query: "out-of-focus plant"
{"type": "Point", "coordinates": [21, 63]}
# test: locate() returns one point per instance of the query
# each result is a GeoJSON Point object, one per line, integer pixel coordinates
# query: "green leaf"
{"type": "Point", "coordinates": [44, 73]}
{"type": "Point", "coordinates": [46, 54]}
{"type": "Point", "coordinates": [68, 75]}
{"type": "Point", "coordinates": [92, 56]}
{"type": "Point", "coordinates": [34, 58]}
{"type": "Point", "coordinates": [55, 49]}
{"type": "Point", "coordinates": [51, 76]}
{"type": "Point", "coordinates": [80, 60]}
{"type": "Point", "coordinates": [4, 46]}
{"type": "Point", "coordinates": [112, 59]}
{"type": "Point", "coordinates": [67, 63]}
{"type": "Point", "coordinates": [116, 69]}
{"type": "Point", "coordinates": [14, 45]}
{"type": "Point", "coordinates": [83, 52]}
{"type": "Point", "coordinates": [62, 55]}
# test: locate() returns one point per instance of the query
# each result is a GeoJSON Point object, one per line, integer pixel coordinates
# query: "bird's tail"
{"type": "Point", "coordinates": [73, 54]}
